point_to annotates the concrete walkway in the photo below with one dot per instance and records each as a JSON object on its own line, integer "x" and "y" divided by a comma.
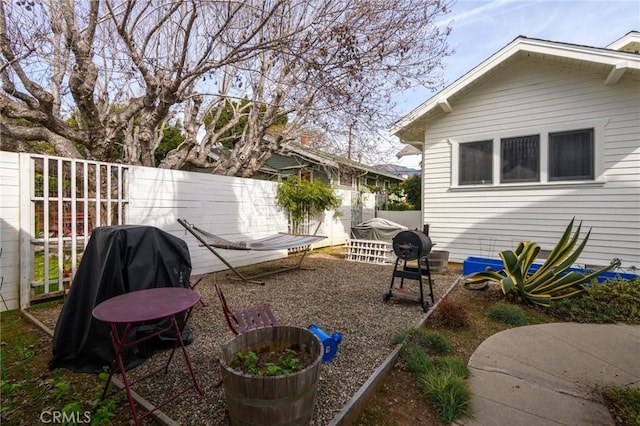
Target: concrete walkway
{"x": 549, "y": 374}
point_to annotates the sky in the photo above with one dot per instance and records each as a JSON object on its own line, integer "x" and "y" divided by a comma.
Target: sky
{"x": 481, "y": 28}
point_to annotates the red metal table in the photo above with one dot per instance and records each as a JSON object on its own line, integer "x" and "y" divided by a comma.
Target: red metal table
{"x": 153, "y": 304}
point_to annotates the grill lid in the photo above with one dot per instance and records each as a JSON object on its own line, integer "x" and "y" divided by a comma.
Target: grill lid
{"x": 410, "y": 245}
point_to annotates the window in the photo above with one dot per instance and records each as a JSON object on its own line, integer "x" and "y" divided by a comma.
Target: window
{"x": 346, "y": 177}
{"x": 568, "y": 153}
{"x": 571, "y": 155}
{"x": 476, "y": 163}
{"x": 520, "y": 159}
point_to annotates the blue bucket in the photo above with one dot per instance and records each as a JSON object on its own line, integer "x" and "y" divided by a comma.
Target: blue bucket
{"x": 329, "y": 343}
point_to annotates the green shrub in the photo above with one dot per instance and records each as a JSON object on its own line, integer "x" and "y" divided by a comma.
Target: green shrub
{"x": 608, "y": 302}
{"x": 417, "y": 360}
{"x": 508, "y": 314}
{"x": 455, "y": 365}
{"x": 431, "y": 342}
{"x": 449, "y": 393}
{"x": 625, "y": 403}
{"x": 452, "y": 314}
{"x": 582, "y": 309}
{"x": 399, "y": 337}
{"x": 302, "y": 200}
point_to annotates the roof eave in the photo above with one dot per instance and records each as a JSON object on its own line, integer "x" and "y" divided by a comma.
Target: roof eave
{"x": 520, "y": 44}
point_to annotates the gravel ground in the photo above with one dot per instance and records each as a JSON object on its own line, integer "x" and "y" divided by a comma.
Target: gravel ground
{"x": 336, "y": 294}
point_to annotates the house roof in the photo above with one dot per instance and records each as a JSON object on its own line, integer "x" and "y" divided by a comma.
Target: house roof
{"x": 615, "y": 60}
{"x": 331, "y": 160}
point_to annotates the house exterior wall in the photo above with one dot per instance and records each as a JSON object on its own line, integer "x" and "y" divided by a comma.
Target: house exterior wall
{"x": 523, "y": 98}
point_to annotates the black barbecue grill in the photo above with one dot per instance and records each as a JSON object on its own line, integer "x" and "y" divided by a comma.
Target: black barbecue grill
{"x": 410, "y": 246}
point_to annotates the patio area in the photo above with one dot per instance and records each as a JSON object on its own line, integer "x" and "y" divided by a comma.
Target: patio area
{"x": 335, "y": 294}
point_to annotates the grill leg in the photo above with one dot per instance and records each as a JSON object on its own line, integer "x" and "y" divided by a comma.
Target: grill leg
{"x": 428, "y": 270}
{"x": 404, "y": 268}
{"x": 388, "y": 295}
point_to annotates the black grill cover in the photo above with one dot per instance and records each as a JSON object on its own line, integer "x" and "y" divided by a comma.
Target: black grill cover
{"x": 117, "y": 260}
{"x": 377, "y": 229}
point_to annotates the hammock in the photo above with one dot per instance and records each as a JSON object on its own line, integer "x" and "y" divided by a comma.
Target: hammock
{"x": 279, "y": 241}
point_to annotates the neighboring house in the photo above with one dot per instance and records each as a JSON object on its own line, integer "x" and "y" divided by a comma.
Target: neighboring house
{"x": 306, "y": 162}
{"x": 535, "y": 135}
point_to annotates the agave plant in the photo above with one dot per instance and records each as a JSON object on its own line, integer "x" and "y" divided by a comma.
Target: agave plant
{"x": 550, "y": 281}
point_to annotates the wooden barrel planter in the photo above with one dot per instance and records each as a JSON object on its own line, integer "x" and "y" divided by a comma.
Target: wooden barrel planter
{"x": 271, "y": 400}
{"x": 438, "y": 261}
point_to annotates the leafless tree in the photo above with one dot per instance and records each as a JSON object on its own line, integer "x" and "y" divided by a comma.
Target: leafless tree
{"x": 101, "y": 78}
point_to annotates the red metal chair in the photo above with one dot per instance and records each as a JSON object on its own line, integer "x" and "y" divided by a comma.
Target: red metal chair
{"x": 194, "y": 280}
{"x": 241, "y": 320}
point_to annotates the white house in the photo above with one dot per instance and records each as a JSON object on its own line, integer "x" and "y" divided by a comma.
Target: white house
{"x": 535, "y": 135}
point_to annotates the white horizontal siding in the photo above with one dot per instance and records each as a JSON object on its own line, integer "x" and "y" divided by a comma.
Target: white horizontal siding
{"x": 9, "y": 229}
{"x": 521, "y": 97}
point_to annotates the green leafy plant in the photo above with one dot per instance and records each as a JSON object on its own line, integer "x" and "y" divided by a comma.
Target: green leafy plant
{"x": 303, "y": 200}
{"x": 449, "y": 393}
{"x": 508, "y": 314}
{"x": 104, "y": 412}
{"x": 431, "y": 342}
{"x": 290, "y": 362}
{"x": 105, "y": 409}
{"x": 550, "y": 281}
{"x": 625, "y": 403}
{"x": 443, "y": 378}
{"x": 287, "y": 363}
{"x": 71, "y": 409}
{"x": 611, "y": 301}
{"x": 60, "y": 386}
{"x": 453, "y": 364}
{"x": 417, "y": 360}
{"x": 399, "y": 337}
{"x": 249, "y": 361}
{"x": 24, "y": 352}
{"x": 7, "y": 390}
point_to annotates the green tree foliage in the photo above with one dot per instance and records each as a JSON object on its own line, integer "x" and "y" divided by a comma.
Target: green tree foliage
{"x": 413, "y": 192}
{"x": 405, "y": 195}
{"x": 303, "y": 200}
{"x": 397, "y": 199}
{"x": 172, "y": 137}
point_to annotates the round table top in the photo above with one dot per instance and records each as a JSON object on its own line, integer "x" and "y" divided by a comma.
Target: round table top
{"x": 146, "y": 305}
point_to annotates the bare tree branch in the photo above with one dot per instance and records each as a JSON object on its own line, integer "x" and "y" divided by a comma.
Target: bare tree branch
{"x": 107, "y": 76}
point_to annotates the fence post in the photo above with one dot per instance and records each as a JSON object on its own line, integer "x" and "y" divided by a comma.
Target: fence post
{"x": 25, "y": 236}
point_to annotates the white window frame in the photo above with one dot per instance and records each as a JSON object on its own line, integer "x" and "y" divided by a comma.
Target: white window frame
{"x": 598, "y": 127}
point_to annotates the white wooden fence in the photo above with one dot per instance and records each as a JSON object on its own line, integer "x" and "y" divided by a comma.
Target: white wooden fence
{"x": 50, "y": 206}
{"x": 412, "y": 219}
